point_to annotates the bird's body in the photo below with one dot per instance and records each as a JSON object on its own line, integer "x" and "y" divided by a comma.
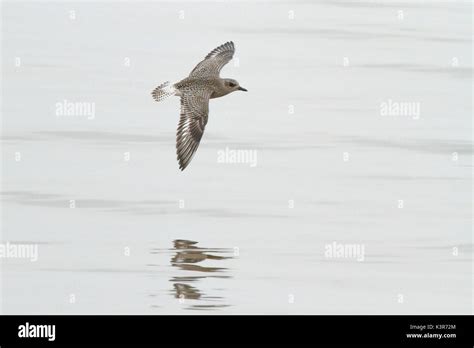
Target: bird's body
{"x": 216, "y": 84}
{"x": 202, "y": 84}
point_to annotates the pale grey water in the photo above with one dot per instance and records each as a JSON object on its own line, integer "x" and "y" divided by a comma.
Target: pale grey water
{"x": 236, "y": 246}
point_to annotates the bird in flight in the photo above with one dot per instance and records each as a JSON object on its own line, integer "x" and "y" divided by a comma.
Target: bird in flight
{"x": 202, "y": 84}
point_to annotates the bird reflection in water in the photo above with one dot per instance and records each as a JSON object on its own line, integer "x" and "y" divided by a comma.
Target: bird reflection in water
{"x": 186, "y": 258}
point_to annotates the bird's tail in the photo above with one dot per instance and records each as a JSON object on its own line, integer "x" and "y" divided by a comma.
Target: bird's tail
{"x": 163, "y": 91}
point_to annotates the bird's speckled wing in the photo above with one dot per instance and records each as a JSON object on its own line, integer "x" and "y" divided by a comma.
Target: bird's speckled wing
{"x": 193, "y": 119}
{"x": 214, "y": 61}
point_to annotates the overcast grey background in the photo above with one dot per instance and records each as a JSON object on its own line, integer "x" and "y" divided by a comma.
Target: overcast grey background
{"x": 265, "y": 256}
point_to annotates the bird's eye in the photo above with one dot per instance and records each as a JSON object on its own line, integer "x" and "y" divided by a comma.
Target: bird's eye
{"x": 231, "y": 84}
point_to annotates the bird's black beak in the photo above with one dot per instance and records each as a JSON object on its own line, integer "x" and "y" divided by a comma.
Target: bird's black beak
{"x": 242, "y": 89}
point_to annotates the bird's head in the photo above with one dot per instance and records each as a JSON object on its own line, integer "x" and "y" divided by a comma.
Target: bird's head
{"x": 232, "y": 85}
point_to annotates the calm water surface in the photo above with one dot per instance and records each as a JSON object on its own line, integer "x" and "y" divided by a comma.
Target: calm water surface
{"x": 120, "y": 229}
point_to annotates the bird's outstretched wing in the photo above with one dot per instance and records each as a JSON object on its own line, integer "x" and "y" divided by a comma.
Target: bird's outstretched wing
{"x": 214, "y": 61}
{"x": 193, "y": 119}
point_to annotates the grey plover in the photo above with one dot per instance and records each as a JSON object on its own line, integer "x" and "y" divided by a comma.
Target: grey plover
{"x": 202, "y": 84}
